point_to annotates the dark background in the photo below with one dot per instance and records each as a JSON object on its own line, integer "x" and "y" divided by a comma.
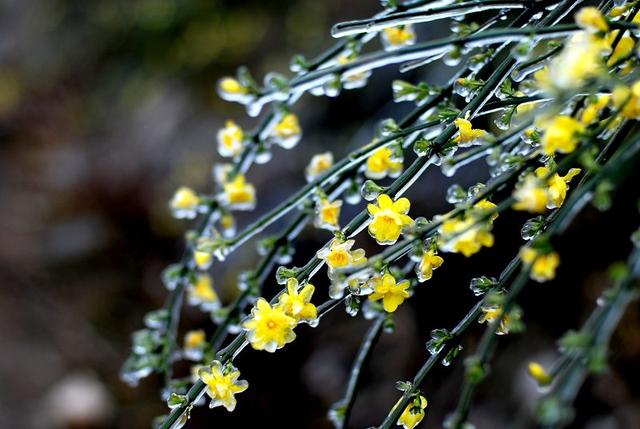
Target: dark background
{"x": 107, "y": 106}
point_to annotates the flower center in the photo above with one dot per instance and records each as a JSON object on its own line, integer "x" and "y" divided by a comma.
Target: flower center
{"x": 339, "y": 258}
{"x": 271, "y": 324}
{"x": 387, "y": 220}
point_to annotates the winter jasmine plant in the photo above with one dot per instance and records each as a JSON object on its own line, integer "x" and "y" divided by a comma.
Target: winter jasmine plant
{"x": 562, "y": 84}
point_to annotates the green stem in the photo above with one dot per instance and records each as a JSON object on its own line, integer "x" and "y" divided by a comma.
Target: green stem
{"x": 424, "y": 15}
{"x": 462, "y": 326}
{"x": 363, "y": 356}
{"x": 599, "y": 328}
{"x": 422, "y": 50}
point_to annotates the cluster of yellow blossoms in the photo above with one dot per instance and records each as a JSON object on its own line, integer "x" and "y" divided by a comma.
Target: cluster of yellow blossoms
{"x": 542, "y": 190}
{"x": 270, "y": 327}
{"x": 628, "y": 100}
{"x": 561, "y": 134}
{"x": 467, "y": 234}
{"x": 236, "y": 193}
{"x": 583, "y": 55}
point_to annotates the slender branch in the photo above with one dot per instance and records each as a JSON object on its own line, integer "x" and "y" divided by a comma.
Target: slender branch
{"x": 423, "y": 50}
{"x": 423, "y": 15}
{"x": 462, "y": 326}
{"x": 342, "y": 409}
{"x": 598, "y": 328}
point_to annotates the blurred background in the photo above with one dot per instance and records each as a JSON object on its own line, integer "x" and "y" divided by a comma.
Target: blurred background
{"x": 107, "y": 106}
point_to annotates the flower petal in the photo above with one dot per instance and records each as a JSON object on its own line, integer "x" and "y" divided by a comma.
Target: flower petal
{"x": 385, "y": 201}
{"x": 401, "y": 206}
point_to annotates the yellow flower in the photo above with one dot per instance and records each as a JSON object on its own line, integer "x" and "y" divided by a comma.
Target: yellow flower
{"x": 429, "y": 262}
{"x": 194, "y": 339}
{"x": 531, "y": 196}
{"x": 591, "y": 19}
{"x": 623, "y": 49}
{"x": 484, "y": 206}
{"x": 618, "y": 10}
{"x": 389, "y": 219}
{"x": 591, "y": 112}
{"x": 494, "y": 312}
{"x": 561, "y": 135}
{"x": 327, "y": 214}
{"x": 542, "y": 79}
{"x": 543, "y": 266}
{"x": 269, "y": 328}
{"x": 222, "y": 384}
{"x": 382, "y": 163}
{"x": 523, "y": 108}
{"x": 557, "y": 185}
{"x": 391, "y": 293}
{"x": 202, "y": 293}
{"x": 539, "y": 374}
{"x": 466, "y": 133}
{"x": 465, "y": 235}
{"x": 287, "y": 132}
{"x": 231, "y": 86}
{"x": 231, "y": 89}
{"x": 194, "y": 343}
{"x": 203, "y": 260}
{"x": 413, "y": 414}
{"x": 627, "y": 67}
{"x": 298, "y": 304}
{"x": 230, "y": 140}
{"x": 397, "y": 37}
{"x": 319, "y": 164}
{"x": 185, "y": 203}
{"x": 580, "y": 60}
{"x": 239, "y": 195}
{"x": 339, "y": 255}
{"x": 628, "y": 100}
{"x": 352, "y": 80}
{"x": 228, "y": 224}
